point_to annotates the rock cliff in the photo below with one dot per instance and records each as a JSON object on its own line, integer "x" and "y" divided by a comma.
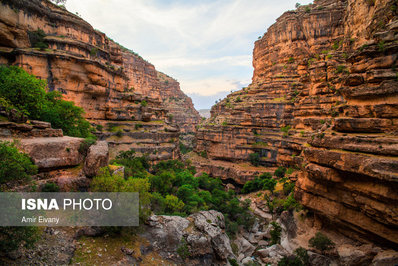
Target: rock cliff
{"x": 121, "y": 93}
{"x": 323, "y": 98}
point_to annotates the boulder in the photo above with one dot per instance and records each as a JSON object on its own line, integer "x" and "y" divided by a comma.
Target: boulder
{"x": 384, "y": 258}
{"x": 202, "y": 233}
{"x": 56, "y": 152}
{"x": 97, "y": 157}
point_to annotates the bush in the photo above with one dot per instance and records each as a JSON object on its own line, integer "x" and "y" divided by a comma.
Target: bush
{"x": 183, "y": 249}
{"x": 11, "y": 238}
{"x": 275, "y": 233}
{"x": 50, "y": 187}
{"x": 14, "y": 165}
{"x": 36, "y": 39}
{"x": 144, "y": 103}
{"x": 321, "y": 242}
{"x": 254, "y": 159}
{"x": 26, "y": 93}
{"x": 173, "y": 204}
{"x": 65, "y": 115}
{"x": 280, "y": 172}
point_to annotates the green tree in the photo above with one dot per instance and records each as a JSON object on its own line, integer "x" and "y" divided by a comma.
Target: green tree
{"x": 65, "y": 115}
{"x": 321, "y": 242}
{"x": 14, "y": 165}
{"x": 24, "y": 91}
{"x": 173, "y": 204}
{"x": 254, "y": 158}
{"x": 11, "y": 238}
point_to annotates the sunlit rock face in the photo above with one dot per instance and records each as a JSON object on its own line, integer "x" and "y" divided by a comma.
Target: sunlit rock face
{"x": 323, "y": 98}
{"x": 114, "y": 85}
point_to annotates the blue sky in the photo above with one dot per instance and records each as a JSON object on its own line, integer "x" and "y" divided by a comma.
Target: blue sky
{"x": 205, "y": 44}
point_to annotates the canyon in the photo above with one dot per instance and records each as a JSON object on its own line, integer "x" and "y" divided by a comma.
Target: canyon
{"x": 323, "y": 102}
{"x": 130, "y": 103}
{"x": 323, "y": 99}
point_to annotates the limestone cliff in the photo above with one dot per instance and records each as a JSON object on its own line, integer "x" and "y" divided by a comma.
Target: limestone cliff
{"x": 120, "y": 92}
{"x": 323, "y": 98}
{"x": 179, "y": 105}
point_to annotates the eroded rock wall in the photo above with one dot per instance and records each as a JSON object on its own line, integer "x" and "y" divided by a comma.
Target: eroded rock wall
{"x": 323, "y": 98}
{"x": 119, "y": 91}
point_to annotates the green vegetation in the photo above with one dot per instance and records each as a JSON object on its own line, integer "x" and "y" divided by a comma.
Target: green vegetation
{"x": 381, "y": 46}
{"x": 291, "y": 60}
{"x": 341, "y": 69}
{"x": 238, "y": 99}
{"x": 275, "y": 233}
{"x": 93, "y": 51}
{"x": 144, "y": 103}
{"x": 254, "y": 159}
{"x": 280, "y": 172}
{"x": 321, "y": 242}
{"x": 184, "y": 149}
{"x": 300, "y": 258}
{"x": 203, "y": 154}
{"x": 11, "y": 238}
{"x": 307, "y": 9}
{"x": 183, "y": 250}
{"x": 170, "y": 187}
{"x": 28, "y": 95}
{"x": 262, "y": 182}
{"x": 50, "y": 187}
{"x": 285, "y": 130}
{"x": 99, "y": 127}
{"x": 36, "y": 39}
{"x": 14, "y": 165}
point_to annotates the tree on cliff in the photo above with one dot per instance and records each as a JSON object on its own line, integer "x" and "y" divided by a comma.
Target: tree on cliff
{"x": 27, "y": 94}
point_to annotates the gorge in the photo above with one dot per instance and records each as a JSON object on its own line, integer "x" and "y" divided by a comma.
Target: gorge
{"x": 322, "y": 108}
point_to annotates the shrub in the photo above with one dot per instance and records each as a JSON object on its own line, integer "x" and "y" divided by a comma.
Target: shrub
{"x": 99, "y": 127}
{"x": 144, "y": 103}
{"x": 275, "y": 233}
{"x": 50, "y": 187}
{"x": 14, "y": 165}
{"x": 203, "y": 154}
{"x": 321, "y": 242}
{"x": 280, "y": 172}
{"x": 65, "y": 115}
{"x": 238, "y": 99}
{"x": 183, "y": 249}
{"x": 36, "y": 39}
{"x": 11, "y": 238}
{"x": 341, "y": 69}
{"x": 119, "y": 133}
{"x": 138, "y": 126}
{"x": 93, "y": 51}
{"x": 254, "y": 159}
{"x": 26, "y": 93}
{"x": 173, "y": 204}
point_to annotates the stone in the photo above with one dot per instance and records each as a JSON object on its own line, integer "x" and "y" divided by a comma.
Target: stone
{"x": 97, "y": 157}
{"x": 384, "y": 258}
{"x": 40, "y": 124}
{"x": 50, "y": 153}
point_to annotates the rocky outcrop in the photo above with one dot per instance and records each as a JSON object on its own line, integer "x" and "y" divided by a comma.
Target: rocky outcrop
{"x": 200, "y": 237}
{"x": 323, "y": 98}
{"x": 97, "y": 157}
{"x": 112, "y": 84}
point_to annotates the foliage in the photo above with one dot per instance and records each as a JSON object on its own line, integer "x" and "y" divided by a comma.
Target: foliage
{"x": 50, "y": 187}
{"x": 184, "y": 149}
{"x": 14, "y": 165}
{"x": 22, "y": 90}
{"x": 11, "y": 238}
{"x": 321, "y": 242}
{"x": 144, "y": 103}
{"x": 254, "y": 159}
{"x": 280, "y": 172}
{"x": 28, "y": 95}
{"x": 107, "y": 182}
{"x": 264, "y": 181}
{"x": 183, "y": 250}
{"x": 275, "y": 233}
{"x": 36, "y": 39}
{"x": 173, "y": 204}
{"x": 65, "y": 115}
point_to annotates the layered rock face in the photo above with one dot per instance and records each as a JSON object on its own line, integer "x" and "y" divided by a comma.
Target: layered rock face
{"x": 114, "y": 85}
{"x": 323, "y": 98}
{"x": 179, "y": 105}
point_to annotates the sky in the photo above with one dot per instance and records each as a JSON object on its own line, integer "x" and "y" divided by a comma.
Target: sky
{"x": 206, "y": 45}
